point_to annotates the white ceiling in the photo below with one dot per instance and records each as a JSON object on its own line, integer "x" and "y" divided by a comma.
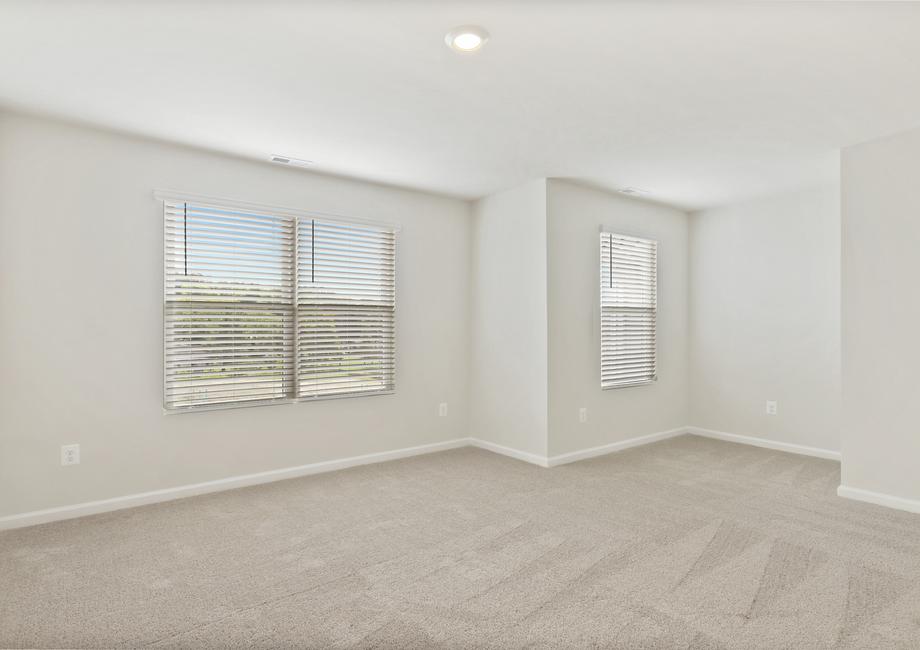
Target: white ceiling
{"x": 699, "y": 103}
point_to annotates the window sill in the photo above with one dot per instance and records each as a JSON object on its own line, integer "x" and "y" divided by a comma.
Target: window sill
{"x": 274, "y": 402}
{"x": 632, "y": 384}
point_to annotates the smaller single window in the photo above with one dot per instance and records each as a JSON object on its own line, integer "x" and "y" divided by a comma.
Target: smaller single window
{"x": 629, "y": 310}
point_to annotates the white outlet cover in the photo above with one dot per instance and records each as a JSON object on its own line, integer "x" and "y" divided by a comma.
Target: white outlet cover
{"x": 70, "y": 454}
{"x": 582, "y": 414}
{"x": 771, "y": 407}
{"x": 442, "y": 409}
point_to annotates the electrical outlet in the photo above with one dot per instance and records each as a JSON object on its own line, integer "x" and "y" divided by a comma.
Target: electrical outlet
{"x": 70, "y": 454}
{"x": 582, "y": 414}
{"x": 442, "y": 409}
{"x": 771, "y": 407}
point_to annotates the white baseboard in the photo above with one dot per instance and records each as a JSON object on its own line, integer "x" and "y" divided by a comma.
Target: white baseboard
{"x": 879, "y": 499}
{"x": 768, "y": 444}
{"x": 591, "y": 452}
{"x": 581, "y": 454}
{"x": 168, "y": 494}
{"x": 526, "y": 456}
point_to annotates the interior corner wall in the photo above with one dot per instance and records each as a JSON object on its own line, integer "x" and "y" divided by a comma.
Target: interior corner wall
{"x": 81, "y": 321}
{"x": 508, "y": 332}
{"x": 575, "y": 214}
{"x": 881, "y": 316}
{"x": 765, "y": 318}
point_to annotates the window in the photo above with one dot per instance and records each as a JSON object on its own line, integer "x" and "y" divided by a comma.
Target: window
{"x": 629, "y": 310}
{"x": 346, "y": 298}
{"x": 262, "y": 307}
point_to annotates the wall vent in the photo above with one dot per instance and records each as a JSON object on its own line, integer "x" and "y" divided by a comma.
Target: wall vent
{"x": 287, "y": 160}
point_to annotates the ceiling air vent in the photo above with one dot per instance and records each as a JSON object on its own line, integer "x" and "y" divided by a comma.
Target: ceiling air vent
{"x": 287, "y": 160}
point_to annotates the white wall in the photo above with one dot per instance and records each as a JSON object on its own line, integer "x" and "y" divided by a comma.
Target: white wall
{"x": 881, "y": 316}
{"x": 575, "y": 214}
{"x": 765, "y": 318}
{"x": 497, "y": 315}
{"x": 81, "y": 329}
{"x": 509, "y": 341}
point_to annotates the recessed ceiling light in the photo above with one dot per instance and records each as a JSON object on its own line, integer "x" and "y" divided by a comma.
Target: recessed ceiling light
{"x": 466, "y": 38}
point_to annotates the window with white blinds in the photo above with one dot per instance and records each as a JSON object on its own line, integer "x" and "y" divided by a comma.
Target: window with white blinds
{"x": 262, "y": 307}
{"x": 629, "y": 310}
{"x": 346, "y": 299}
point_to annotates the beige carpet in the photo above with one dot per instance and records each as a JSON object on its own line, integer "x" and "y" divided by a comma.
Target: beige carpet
{"x": 689, "y": 543}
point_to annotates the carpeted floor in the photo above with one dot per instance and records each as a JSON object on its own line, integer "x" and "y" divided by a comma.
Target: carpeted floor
{"x": 688, "y": 543}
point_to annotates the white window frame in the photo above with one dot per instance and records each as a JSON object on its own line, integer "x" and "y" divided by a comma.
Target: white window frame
{"x": 298, "y": 217}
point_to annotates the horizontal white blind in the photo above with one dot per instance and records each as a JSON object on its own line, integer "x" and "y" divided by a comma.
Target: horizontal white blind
{"x": 260, "y": 307}
{"x": 229, "y": 316}
{"x": 346, "y": 302}
{"x": 629, "y": 310}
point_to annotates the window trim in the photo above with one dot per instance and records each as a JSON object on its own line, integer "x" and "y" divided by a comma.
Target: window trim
{"x": 280, "y": 210}
{"x": 604, "y": 230}
{"x": 162, "y": 197}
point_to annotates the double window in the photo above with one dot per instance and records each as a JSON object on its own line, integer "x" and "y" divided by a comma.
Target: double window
{"x": 629, "y": 310}
{"x": 262, "y": 306}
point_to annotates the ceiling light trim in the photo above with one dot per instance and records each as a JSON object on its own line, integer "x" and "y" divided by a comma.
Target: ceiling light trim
{"x": 466, "y": 39}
